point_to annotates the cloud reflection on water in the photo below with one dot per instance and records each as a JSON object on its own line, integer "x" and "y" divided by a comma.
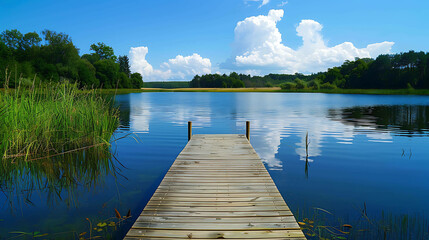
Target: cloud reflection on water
{"x": 274, "y": 123}
{"x": 271, "y": 124}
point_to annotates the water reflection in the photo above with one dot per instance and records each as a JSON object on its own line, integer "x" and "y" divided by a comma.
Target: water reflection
{"x": 276, "y": 118}
{"x": 60, "y": 178}
{"x": 343, "y": 165}
{"x": 124, "y": 103}
{"x": 349, "y": 136}
{"x": 140, "y": 113}
{"x": 405, "y": 120}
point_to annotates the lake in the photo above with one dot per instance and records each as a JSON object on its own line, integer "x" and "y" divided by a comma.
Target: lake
{"x": 366, "y": 153}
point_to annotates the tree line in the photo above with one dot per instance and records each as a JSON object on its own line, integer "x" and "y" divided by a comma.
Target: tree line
{"x": 27, "y": 58}
{"x": 217, "y": 81}
{"x": 388, "y": 71}
{"x": 167, "y": 84}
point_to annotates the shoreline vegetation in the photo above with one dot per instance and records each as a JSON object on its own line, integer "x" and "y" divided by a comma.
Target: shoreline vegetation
{"x": 55, "y": 141}
{"x": 394, "y": 74}
{"x": 26, "y": 59}
{"x": 29, "y": 59}
{"x": 53, "y": 119}
{"x": 272, "y": 89}
{"x": 409, "y": 70}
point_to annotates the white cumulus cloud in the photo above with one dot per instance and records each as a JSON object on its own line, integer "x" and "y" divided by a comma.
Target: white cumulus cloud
{"x": 183, "y": 67}
{"x": 178, "y": 68}
{"x": 258, "y": 45}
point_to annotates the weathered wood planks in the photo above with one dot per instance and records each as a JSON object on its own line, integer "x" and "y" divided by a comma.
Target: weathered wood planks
{"x": 218, "y": 187}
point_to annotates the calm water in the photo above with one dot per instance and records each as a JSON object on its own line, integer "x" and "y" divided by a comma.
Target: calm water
{"x": 363, "y": 149}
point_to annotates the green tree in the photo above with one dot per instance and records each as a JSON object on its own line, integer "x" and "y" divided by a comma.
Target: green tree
{"x": 380, "y": 74}
{"x": 234, "y": 75}
{"x": 56, "y": 39}
{"x": 217, "y": 81}
{"x": 237, "y": 83}
{"x": 314, "y": 84}
{"x": 288, "y": 86}
{"x": 124, "y": 81}
{"x": 137, "y": 80}
{"x": 328, "y": 85}
{"x": 59, "y": 48}
{"x": 124, "y": 65}
{"x": 12, "y": 38}
{"x": 107, "y": 73}
{"x": 92, "y": 58}
{"x": 30, "y": 40}
{"x": 300, "y": 84}
{"x": 86, "y": 72}
{"x": 335, "y": 77}
{"x": 195, "y": 82}
{"x": 103, "y": 51}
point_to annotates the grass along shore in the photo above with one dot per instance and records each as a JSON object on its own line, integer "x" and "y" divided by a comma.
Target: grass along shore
{"x": 53, "y": 119}
{"x": 273, "y": 89}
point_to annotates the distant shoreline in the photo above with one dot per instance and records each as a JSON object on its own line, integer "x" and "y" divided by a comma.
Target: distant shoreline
{"x": 275, "y": 89}
{"x": 270, "y": 89}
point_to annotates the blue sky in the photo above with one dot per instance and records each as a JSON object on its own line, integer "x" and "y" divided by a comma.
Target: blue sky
{"x": 174, "y": 39}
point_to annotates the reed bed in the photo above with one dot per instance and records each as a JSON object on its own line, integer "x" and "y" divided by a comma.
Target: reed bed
{"x": 51, "y": 120}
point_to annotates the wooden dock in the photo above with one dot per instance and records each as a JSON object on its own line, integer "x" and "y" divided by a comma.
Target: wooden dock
{"x": 218, "y": 187}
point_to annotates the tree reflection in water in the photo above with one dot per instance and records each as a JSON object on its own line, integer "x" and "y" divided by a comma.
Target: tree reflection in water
{"x": 405, "y": 120}
{"x": 58, "y": 177}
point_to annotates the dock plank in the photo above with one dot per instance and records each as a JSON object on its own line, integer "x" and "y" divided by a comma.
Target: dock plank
{"x": 218, "y": 187}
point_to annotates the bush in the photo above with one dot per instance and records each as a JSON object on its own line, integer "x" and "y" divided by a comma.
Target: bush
{"x": 124, "y": 81}
{"x": 86, "y": 73}
{"x": 314, "y": 84}
{"x": 300, "y": 84}
{"x": 137, "y": 80}
{"x": 288, "y": 86}
{"x": 328, "y": 86}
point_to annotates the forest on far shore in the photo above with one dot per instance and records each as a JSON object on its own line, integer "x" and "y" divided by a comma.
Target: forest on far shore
{"x": 52, "y": 57}
{"x": 389, "y": 71}
{"x": 29, "y": 58}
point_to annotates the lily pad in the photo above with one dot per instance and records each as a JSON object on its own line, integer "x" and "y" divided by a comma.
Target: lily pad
{"x": 102, "y": 224}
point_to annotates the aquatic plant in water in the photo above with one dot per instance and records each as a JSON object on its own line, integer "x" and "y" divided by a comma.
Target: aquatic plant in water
{"x": 55, "y": 140}
{"x": 322, "y": 224}
{"x": 53, "y": 119}
{"x": 97, "y": 229}
{"x": 104, "y": 229}
{"x": 53, "y": 137}
{"x": 307, "y": 164}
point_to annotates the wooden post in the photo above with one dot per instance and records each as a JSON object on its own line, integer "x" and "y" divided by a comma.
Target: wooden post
{"x": 248, "y": 130}
{"x": 189, "y": 130}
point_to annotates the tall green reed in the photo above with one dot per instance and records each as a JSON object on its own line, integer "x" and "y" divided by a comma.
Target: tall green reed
{"x": 53, "y": 119}
{"x": 53, "y": 138}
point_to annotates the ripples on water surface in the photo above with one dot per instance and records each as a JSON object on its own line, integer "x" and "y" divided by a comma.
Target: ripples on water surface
{"x": 363, "y": 149}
